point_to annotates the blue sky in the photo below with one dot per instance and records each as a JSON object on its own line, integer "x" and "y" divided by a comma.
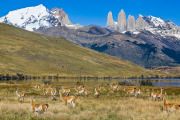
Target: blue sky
{"x": 88, "y": 12}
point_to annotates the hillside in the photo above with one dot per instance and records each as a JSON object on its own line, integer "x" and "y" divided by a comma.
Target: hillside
{"x": 30, "y": 53}
{"x": 142, "y": 48}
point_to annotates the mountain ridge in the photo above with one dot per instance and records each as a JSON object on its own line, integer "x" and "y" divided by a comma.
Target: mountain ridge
{"x": 38, "y": 17}
{"x": 142, "y": 48}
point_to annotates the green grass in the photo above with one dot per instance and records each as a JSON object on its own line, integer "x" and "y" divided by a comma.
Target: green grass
{"x": 30, "y": 53}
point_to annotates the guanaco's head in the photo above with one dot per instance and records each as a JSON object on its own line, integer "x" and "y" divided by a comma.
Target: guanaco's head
{"x": 124, "y": 89}
{"x": 162, "y": 88}
{"x": 16, "y": 89}
{"x": 165, "y": 93}
{"x": 59, "y": 91}
{"x": 31, "y": 99}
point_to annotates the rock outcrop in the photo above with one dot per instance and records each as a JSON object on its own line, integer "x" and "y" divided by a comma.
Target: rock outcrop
{"x": 110, "y": 23}
{"x": 131, "y": 23}
{"x": 61, "y": 16}
{"x": 141, "y": 23}
{"x": 122, "y": 21}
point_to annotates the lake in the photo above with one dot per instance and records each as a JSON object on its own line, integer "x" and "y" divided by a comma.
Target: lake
{"x": 156, "y": 82}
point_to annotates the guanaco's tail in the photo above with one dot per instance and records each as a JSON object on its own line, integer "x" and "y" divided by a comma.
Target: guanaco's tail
{"x": 47, "y": 105}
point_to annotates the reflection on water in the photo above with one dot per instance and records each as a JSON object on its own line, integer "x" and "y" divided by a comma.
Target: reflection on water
{"x": 156, "y": 82}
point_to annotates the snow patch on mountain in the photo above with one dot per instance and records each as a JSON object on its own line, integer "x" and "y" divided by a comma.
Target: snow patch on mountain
{"x": 30, "y": 18}
{"x": 156, "y": 21}
{"x": 33, "y": 18}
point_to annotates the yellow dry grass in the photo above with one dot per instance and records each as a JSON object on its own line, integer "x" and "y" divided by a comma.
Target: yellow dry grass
{"x": 109, "y": 106}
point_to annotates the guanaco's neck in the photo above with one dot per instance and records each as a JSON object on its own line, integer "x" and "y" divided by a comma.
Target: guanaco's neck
{"x": 32, "y": 102}
{"x": 161, "y": 91}
{"x": 95, "y": 89}
{"x": 61, "y": 95}
{"x": 164, "y": 101}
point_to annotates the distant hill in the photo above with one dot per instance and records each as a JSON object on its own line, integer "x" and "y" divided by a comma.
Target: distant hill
{"x": 30, "y": 53}
{"x": 175, "y": 70}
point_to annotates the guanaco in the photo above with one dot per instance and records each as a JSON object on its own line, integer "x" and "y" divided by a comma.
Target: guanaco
{"x": 53, "y": 93}
{"x": 162, "y": 97}
{"x": 97, "y": 92}
{"x": 79, "y": 91}
{"x": 137, "y": 91}
{"x": 78, "y": 86}
{"x": 129, "y": 91}
{"x": 36, "y": 86}
{"x": 38, "y": 108}
{"x": 155, "y": 95}
{"x": 114, "y": 87}
{"x": 45, "y": 92}
{"x": 20, "y": 95}
{"x": 86, "y": 92}
{"x": 67, "y": 91}
{"x": 170, "y": 106}
{"x": 68, "y": 99}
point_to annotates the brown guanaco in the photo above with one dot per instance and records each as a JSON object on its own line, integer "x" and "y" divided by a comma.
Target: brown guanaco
{"x": 86, "y": 92}
{"x": 171, "y": 106}
{"x": 129, "y": 91}
{"x": 155, "y": 95}
{"x": 68, "y": 99}
{"x": 79, "y": 91}
{"x": 45, "y": 92}
{"x": 53, "y": 93}
{"x": 20, "y": 94}
{"x": 67, "y": 91}
{"x": 78, "y": 86}
{"x": 97, "y": 92}
{"x": 162, "y": 97}
{"x": 114, "y": 87}
{"x": 137, "y": 91}
{"x": 38, "y": 108}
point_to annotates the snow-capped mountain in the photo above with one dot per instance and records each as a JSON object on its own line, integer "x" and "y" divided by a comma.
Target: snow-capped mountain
{"x": 161, "y": 27}
{"x": 37, "y": 17}
{"x": 156, "y": 21}
{"x": 155, "y": 25}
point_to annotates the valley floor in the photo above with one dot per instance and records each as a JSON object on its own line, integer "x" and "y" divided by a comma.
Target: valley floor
{"x": 109, "y": 106}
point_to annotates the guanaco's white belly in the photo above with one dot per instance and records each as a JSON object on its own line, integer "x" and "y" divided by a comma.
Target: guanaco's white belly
{"x": 39, "y": 109}
{"x": 69, "y": 101}
{"x": 81, "y": 91}
{"x": 153, "y": 95}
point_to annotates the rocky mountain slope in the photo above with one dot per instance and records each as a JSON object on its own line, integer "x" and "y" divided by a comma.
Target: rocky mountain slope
{"x": 142, "y": 48}
{"x": 38, "y": 17}
{"x": 36, "y": 54}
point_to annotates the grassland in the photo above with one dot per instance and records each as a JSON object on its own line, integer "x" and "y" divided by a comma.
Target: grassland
{"x": 109, "y": 106}
{"x": 30, "y": 53}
